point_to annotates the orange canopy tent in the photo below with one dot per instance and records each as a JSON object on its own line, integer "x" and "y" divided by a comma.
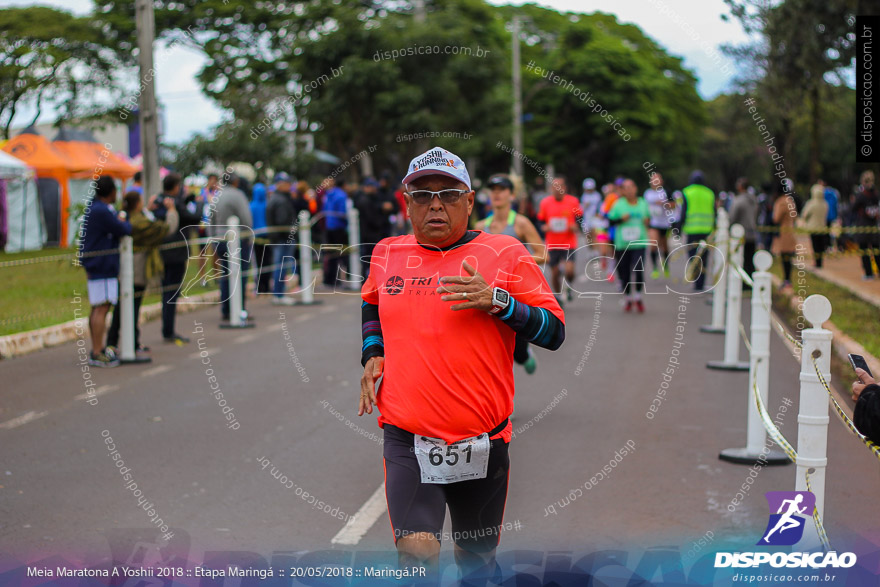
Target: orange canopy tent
{"x": 47, "y": 162}
{"x": 81, "y": 146}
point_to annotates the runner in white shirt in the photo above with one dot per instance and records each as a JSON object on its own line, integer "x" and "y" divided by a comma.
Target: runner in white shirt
{"x": 591, "y": 200}
{"x": 663, "y": 211}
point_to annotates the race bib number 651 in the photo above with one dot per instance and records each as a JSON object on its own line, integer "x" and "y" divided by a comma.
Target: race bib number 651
{"x": 443, "y": 463}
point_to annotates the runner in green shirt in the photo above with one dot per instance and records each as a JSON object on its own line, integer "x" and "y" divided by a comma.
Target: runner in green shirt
{"x": 630, "y": 215}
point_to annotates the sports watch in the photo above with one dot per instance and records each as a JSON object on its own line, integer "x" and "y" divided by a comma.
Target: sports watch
{"x": 500, "y": 300}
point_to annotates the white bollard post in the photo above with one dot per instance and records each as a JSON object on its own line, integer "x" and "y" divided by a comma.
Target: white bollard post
{"x": 307, "y": 291}
{"x": 125, "y": 307}
{"x": 757, "y": 449}
{"x": 731, "y": 360}
{"x": 813, "y": 411}
{"x": 234, "y": 250}
{"x": 233, "y": 262}
{"x": 719, "y": 292}
{"x": 354, "y": 244}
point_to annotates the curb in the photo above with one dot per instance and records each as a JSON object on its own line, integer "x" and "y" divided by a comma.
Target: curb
{"x": 23, "y": 343}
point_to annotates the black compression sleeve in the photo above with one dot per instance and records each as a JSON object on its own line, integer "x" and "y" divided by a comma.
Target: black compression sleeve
{"x": 371, "y": 333}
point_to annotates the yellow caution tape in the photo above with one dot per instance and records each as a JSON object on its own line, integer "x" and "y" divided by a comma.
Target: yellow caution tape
{"x": 789, "y": 451}
{"x": 837, "y": 230}
{"x": 742, "y": 332}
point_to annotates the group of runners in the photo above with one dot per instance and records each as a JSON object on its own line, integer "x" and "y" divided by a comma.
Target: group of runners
{"x": 446, "y": 311}
{"x": 617, "y": 229}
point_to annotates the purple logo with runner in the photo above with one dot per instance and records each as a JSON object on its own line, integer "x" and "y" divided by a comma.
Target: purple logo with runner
{"x": 789, "y": 511}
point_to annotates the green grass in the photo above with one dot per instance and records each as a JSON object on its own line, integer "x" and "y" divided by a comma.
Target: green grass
{"x": 42, "y": 294}
{"x": 851, "y": 314}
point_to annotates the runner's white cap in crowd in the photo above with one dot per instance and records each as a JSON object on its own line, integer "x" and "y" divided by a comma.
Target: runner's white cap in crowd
{"x": 438, "y": 161}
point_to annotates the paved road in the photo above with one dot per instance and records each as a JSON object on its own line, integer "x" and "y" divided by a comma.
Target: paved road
{"x": 62, "y": 494}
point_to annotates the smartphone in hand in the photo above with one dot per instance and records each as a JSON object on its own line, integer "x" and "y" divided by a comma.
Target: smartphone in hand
{"x": 858, "y": 362}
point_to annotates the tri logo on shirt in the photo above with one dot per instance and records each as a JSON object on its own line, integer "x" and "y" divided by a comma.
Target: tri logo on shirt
{"x": 418, "y": 286}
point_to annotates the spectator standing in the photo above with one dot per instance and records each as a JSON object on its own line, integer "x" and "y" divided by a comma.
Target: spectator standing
{"x": 281, "y": 216}
{"x": 137, "y": 183}
{"x": 307, "y": 194}
{"x": 146, "y": 235}
{"x": 744, "y": 211}
{"x": 176, "y": 255}
{"x": 102, "y": 229}
{"x": 765, "y": 217}
{"x": 375, "y": 207}
{"x": 866, "y": 414}
{"x": 205, "y": 200}
{"x": 258, "y": 213}
{"x": 335, "y": 207}
{"x": 831, "y": 198}
{"x": 814, "y": 219}
{"x": 300, "y": 196}
{"x": 784, "y": 242}
{"x": 231, "y": 201}
{"x": 866, "y": 215}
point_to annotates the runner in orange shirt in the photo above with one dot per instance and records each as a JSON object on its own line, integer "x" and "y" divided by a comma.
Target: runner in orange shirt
{"x": 441, "y": 309}
{"x": 611, "y": 197}
{"x": 561, "y": 214}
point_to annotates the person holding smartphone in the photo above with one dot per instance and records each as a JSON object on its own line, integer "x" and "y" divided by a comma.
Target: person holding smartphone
{"x": 866, "y": 394}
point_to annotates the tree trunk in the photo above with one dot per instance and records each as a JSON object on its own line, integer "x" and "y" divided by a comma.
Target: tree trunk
{"x": 787, "y": 144}
{"x": 367, "y": 164}
{"x": 815, "y": 125}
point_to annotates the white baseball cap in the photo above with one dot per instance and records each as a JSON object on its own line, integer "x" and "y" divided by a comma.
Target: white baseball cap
{"x": 589, "y": 183}
{"x": 438, "y": 161}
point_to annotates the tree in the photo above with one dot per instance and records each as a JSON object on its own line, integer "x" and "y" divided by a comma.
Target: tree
{"x": 614, "y": 78}
{"x": 810, "y": 42}
{"x": 272, "y": 65}
{"x": 800, "y": 49}
{"x": 358, "y": 74}
{"x": 50, "y": 56}
{"x": 731, "y": 146}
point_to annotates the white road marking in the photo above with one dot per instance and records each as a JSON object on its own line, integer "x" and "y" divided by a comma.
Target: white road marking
{"x": 22, "y": 420}
{"x": 157, "y": 370}
{"x": 245, "y": 338}
{"x": 100, "y": 390}
{"x": 358, "y": 525}
{"x": 198, "y": 354}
